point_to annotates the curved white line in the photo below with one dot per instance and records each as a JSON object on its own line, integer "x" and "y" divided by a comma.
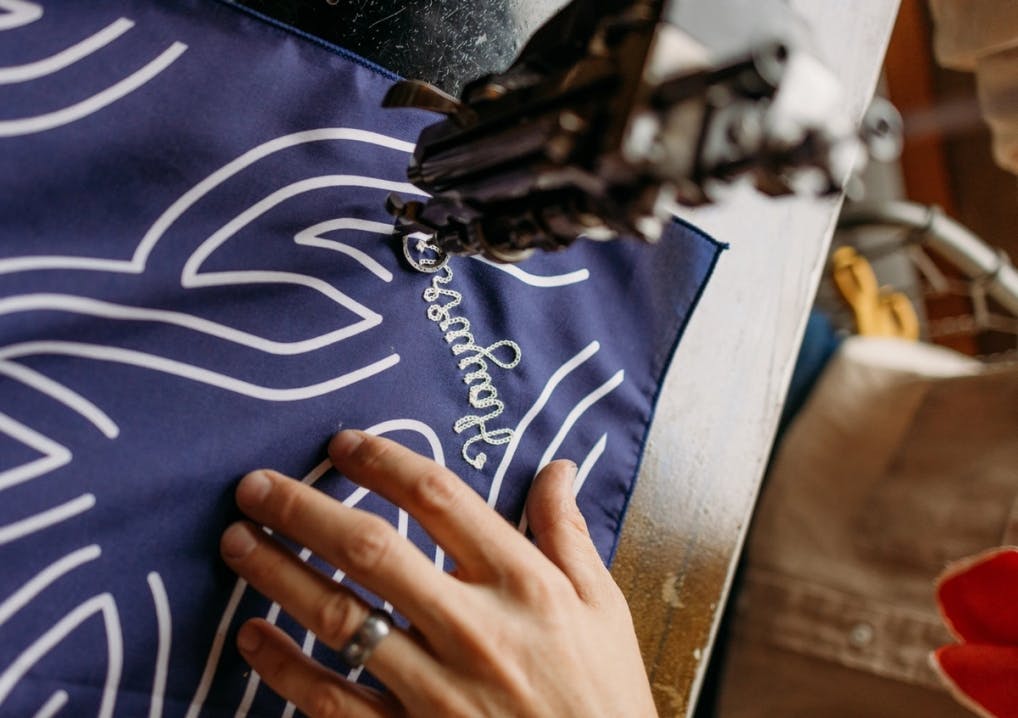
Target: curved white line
{"x": 588, "y": 464}
{"x": 72, "y": 113}
{"x": 202, "y": 691}
{"x": 577, "y": 411}
{"x": 54, "y": 455}
{"x": 102, "y": 603}
{"x": 45, "y": 519}
{"x": 310, "y": 237}
{"x": 193, "y": 277}
{"x": 66, "y": 396}
{"x": 18, "y": 13}
{"x": 110, "y": 310}
{"x": 54, "y": 705}
{"x": 536, "y": 280}
{"x": 136, "y": 264}
{"x": 553, "y": 381}
{"x": 419, "y": 427}
{"x": 164, "y": 621}
{"x": 317, "y": 473}
{"x": 369, "y": 318}
{"x": 188, "y": 371}
{"x": 38, "y": 583}
{"x": 65, "y": 58}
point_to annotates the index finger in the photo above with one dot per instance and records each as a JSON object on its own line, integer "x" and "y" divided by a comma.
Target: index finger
{"x": 457, "y": 518}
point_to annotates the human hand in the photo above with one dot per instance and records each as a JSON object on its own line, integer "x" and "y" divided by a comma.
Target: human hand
{"x": 517, "y": 629}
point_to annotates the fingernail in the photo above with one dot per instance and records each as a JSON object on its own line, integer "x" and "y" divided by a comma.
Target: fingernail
{"x": 345, "y": 442}
{"x": 237, "y": 542}
{"x": 253, "y": 488}
{"x": 571, "y": 470}
{"x": 249, "y": 639}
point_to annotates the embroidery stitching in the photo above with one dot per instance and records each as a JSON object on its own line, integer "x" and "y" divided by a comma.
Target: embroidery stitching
{"x": 482, "y": 393}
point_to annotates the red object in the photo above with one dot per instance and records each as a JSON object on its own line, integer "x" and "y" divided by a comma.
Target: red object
{"x": 978, "y": 598}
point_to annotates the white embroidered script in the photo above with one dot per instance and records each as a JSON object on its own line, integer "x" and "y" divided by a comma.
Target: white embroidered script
{"x": 482, "y": 394}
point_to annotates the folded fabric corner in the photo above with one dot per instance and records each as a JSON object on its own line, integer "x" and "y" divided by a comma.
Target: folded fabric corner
{"x": 977, "y": 597}
{"x": 983, "y": 678}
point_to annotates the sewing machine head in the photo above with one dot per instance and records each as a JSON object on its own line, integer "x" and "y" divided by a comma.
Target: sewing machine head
{"x": 609, "y": 117}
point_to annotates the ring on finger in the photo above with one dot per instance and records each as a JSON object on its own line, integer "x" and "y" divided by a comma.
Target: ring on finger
{"x": 372, "y": 631}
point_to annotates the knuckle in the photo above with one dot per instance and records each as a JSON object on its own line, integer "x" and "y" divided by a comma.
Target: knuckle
{"x": 572, "y": 521}
{"x": 435, "y": 492}
{"x": 263, "y": 565}
{"x": 369, "y": 545}
{"x": 336, "y": 618}
{"x": 536, "y": 587}
{"x": 326, "y": 701}
{"x": 286, "y": 505}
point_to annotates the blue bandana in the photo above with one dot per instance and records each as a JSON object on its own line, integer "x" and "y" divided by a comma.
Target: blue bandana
{"x": 197, "y": 279}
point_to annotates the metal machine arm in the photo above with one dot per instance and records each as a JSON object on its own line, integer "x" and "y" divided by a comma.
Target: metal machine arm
{"x": 608, "y": 118}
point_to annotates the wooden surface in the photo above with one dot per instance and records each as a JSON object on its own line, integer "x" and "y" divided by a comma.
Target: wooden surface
{"x": 724, "y": 392}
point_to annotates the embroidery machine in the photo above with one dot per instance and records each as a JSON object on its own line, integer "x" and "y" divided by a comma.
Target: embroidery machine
{"x": 609, "y": 116}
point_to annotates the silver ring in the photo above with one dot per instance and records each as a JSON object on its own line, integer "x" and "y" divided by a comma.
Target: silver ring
{"x": 365, "y": 640}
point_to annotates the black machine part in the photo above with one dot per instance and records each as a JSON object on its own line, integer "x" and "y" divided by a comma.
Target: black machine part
{"x": 608, "y": 117}
{"x": 611, "y": 116}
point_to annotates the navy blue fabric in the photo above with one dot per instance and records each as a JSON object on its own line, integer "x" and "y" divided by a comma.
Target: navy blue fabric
{"x": 174, "y": 313}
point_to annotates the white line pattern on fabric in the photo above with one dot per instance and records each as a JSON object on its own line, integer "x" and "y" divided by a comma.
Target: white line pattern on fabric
{"x": 536, "y": 280}
{"x": 65, "y": 58}
{"x": 57, "y": 391}
{"x": 103, "y": 604}
{"x": 45, "y": 519}
{"x": 18, "y": 13}
{"x": 136, "y": 264}
{"x": 121, "y": 312}
{"x": 218, "y": 641}
{"x": 80, "y": 110}
{"x": 54, "y": 454}
{"x": 311, "y": 237}
{"x": 54, "y": 705}
{"x": 42, "y": 580}
{"x": 587, "y": 465}
{"x": 164, "y": 621}
{"x": 553, "y": 381}
{"x": 576, "y": 412}
{"x": 101, "y": 352}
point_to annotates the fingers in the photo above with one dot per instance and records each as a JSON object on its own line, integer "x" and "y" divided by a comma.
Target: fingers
{"x": 459, "y": 520}
{"x": 315, "y": 690}
{"x": 560, "y": 530}
{"x": 364, "y": 546}
{"x": 330, "y": 611}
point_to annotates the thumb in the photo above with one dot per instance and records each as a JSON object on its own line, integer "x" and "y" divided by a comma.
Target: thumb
{"x": 560, "y": 530}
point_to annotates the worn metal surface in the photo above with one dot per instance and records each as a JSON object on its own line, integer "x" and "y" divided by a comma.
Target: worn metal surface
{"x": 722, "y": 398}
{"x": 446, "y": 42}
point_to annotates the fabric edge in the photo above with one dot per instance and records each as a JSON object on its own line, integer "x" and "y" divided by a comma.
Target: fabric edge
{"x": 719, "y": 249}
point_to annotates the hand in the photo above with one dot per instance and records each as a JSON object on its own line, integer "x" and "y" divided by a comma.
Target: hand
{"x": 517, "y": 630}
